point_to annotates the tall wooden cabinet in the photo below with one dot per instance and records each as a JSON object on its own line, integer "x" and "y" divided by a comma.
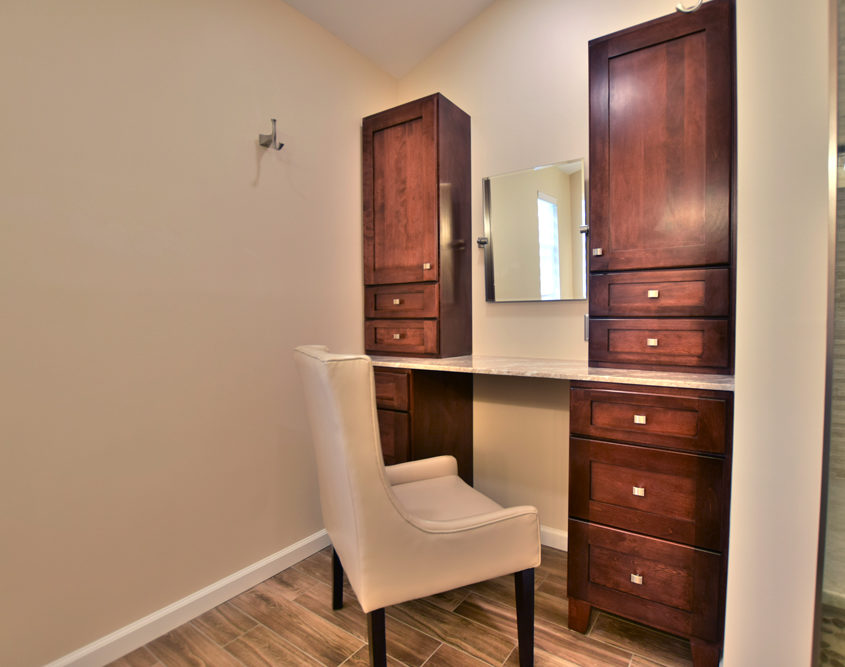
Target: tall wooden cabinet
{"x": 650, "y": 468}
{"x": 417, "y": 226}
{"x": 417, "y": 274}
{"x": 662, "y": 193}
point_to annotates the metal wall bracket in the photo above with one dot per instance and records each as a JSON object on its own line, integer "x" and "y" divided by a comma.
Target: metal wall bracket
{"x": 269, "y": 140}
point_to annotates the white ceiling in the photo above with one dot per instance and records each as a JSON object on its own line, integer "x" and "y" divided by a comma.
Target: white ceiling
{"x": 395, "y": 34}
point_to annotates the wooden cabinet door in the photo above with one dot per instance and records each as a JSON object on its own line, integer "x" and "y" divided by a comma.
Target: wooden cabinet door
{"x": 400, "y": 194}
{"x": 661, "y": 142}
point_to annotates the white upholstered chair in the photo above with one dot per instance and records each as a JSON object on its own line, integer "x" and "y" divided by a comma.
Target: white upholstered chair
{"x": 410, "y": 530}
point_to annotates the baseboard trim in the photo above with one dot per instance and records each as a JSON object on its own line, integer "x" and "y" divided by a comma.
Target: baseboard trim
{"x": 554, "y": 537}
{"x": 128, "y": 638}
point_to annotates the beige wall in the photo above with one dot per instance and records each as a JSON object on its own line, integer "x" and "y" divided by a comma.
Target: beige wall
{"x": 524, "y": 115}
{"x": 156, "y": 270}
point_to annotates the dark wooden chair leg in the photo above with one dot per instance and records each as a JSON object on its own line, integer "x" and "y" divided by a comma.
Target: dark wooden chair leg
{"x": 376, "y": 638}
{"x": 524, "y": 582}
{"x": 337, "y": 582}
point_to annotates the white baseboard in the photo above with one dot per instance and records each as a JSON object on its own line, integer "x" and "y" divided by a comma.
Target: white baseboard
{"x": 128, "y": 638}
{"x": 554, "y": 537}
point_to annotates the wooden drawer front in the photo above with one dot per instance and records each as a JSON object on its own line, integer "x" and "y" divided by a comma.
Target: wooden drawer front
{"x": 670, "y": 495}
{"x": 392, "y": 388}
{"x": 696, "y": 293}
{"x": 670, "y": 586}
{"x": 401, "y": 301}
{"x": 394, "y": 429}
{"x": 405, "y": 336}
{"x": 696, "y": 343}
{"x": 668, "y": 418}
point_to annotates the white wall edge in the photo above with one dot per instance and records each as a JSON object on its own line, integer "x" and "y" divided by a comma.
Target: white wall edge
{"x": 136, "y": 634}
{"x": 554, "y": 537}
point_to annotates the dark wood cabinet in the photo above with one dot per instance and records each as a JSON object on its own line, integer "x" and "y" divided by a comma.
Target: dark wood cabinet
{"x": 662, "y": 155}
{"x": 649, "y": 499}
{"x": 417, "y": 225}
{"x": 423, "y": 414}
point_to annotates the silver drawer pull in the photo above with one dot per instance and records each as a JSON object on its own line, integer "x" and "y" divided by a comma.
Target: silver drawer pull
{"x": 427, "y": 266}
{"x": 598, "y": 252}
{"x": 653, "y": 294}
{"x": 637, "y": 579}
{"x": 397, "y": 336}
{"x": 651, "y": 342}
{"x": 639, "y": 419}
{"x": 397, "y": 302}
{"x": 639, "y": 491}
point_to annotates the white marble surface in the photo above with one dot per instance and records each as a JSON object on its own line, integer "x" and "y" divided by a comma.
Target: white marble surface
{"x": 558, "y": 369}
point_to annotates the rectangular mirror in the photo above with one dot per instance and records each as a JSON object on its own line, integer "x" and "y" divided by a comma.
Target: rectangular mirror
{"x": 535, "y": 246}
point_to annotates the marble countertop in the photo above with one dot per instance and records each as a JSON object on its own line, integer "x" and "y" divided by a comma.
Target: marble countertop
{"x": 557, "y": 369}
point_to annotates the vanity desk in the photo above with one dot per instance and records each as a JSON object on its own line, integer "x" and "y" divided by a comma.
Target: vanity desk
{"x": 649, "y": 478}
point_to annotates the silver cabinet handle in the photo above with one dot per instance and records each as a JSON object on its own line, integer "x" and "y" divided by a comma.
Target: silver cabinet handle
{"x": 651, "y": 342}
{"x": 397, "y": 336}
{"x": 598, "y": 252}
{"x": 637, "y": 579}
{"x": 397, "y": 302}
{"x": 427, "y": 266}
{"x": 653, "y": 294}
{"x": 639, "y": 419}
{"x": 639, "y": 491}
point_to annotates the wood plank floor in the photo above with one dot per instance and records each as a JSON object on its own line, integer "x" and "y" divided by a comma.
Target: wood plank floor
{"x": 288, "y": 620}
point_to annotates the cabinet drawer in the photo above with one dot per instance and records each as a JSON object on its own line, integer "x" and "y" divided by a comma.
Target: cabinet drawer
{"x": 672, "y": 342}
{"x": 392, "y": 388}
{"x": 671, "y": 495}
{"x": 675, "y": 418}
{"x": 667, "y": 585}
{"x": 403, "y": 336}
{"x": 694, "y": 293}
{"x": 401, "y": 301}
{"x": 394, "y": 429}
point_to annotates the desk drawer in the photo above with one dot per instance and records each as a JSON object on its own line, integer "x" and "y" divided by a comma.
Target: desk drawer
{"x": 685, "y": 293}
{"x": 670, "y": 495}
{"x": 676, "y": 418}
{"x": 395, "y": 431}
{"x": 401, "y": 336}
{"x": 389, "y": 301}
{"x": 392, "y": 388}
{"x": 670, "y": 586}
{"x": 660, "y": 342}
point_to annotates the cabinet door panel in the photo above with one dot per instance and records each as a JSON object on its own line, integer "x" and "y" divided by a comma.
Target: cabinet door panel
{"x": 392, "y": 388}
{"x": 667, "y": 585}
{"x": 401, "y": 336}
{"x": 394, "y": 429}
{"x": 670, "y": 495}
{"x": 414, "y": 300}
{"x": 690, "y": 293}
{"x": 674, "y": 343}
{"x": 661, "y": 137}
{"x": 669, "y": 418}
{"x": 400, "y": 197}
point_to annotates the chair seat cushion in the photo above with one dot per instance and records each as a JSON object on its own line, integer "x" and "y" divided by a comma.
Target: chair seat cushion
{"x": 443, "y": 499}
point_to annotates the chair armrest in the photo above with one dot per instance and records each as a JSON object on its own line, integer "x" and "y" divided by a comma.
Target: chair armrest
{"x": 469, "y": 523}
{"x": 415, "y": 471}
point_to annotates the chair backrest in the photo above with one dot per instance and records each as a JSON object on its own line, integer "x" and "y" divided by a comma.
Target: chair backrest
{"x": 339, "y": 393}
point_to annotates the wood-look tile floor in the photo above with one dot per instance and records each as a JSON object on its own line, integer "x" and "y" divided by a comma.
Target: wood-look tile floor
{"x": 288, "y": 620}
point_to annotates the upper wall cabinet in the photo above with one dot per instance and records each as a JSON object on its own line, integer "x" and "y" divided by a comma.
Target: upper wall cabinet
{"x": 662, "y": 155}
{"x": 417, "y": 224}
{"x": 661, "y": 142}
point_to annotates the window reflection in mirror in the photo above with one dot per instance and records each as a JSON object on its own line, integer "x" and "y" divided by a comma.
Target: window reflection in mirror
{"x": 535, "y": 228}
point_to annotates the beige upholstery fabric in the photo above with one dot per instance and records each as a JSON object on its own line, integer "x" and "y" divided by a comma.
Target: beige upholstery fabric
{"x": 406, "y": 531}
